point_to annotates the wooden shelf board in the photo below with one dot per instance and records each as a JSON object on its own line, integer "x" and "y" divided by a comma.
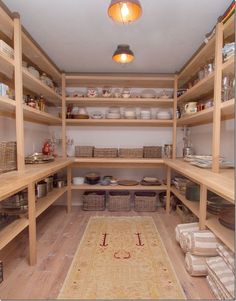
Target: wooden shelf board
{"x": 229, "y": 27}
{"x": 206, "y": 116}
{"x": 204, "y": 53}
{"x": 193, "y": 206}
{"x": 224, "y": 234}
{"x": 6, "y": 65}
{"x": 6, "y": 22}
{"x": 102, "y": 101}
{"x": 34, "y": 115}
{"x": 7, "y": 105}
{"x": 38, "y": 57}
{"x": 117, "y": 187}
{"x": 35, "y": 85}
{"x": 8, "y": 233}
{"x": 202, "y": 88}
{"x": 202, "y": 117}
{"x": 119, "y": 122}
{"x": 120, "y": 80}
{"x": 43, "y": 203}
{"x": 228, "y": 66}
{"x": 221, "y": 183}
{"x": 32, "y": 173}
{"x": 118, "y": 162}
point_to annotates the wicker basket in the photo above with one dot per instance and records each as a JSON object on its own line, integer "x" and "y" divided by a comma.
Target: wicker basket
{"x": 152, "y": 151}
{"x": 131, "y": 153}
{"x": 7, "y": 156}
{"x": 119, "y": 201}
{"x": 84, "y": 151}
{"x": 145, "y": 201}
{"x": 94, "y": 200}
{"x": 186, "y": 216}
{"x": 105, "y": 152}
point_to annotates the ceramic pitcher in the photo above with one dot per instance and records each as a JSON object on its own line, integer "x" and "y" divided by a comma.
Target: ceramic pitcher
{"x": 190, "y": 107}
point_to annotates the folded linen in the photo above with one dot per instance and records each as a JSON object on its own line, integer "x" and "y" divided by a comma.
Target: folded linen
{"x": 215, "y": 290}
{"x": 183, "y": 242}
{"x": 227, "y": 255}
{"x": 195, "y": 265}
{"x": 202, "y": 243}
{"x": 185, "y": 228}
{"x": 222, "y": 275}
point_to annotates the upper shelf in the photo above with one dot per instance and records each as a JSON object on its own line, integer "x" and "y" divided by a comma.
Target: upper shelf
{"x": 6, "y": 65}
{"x": 203, "y": 87}
{"x": 35, "y": 54}
{"x": 120, "y": 80}
{"x": 228, "y": 66}
{"x": 206, "y": 116}
{"x": 6, "y": 22}
{"x": 229, "y": 27}
{"x": 119, "y": 122}
{"x": 204, "y": 53}
{"x": 102, "y": 101}
{"x": 35, "y": 85}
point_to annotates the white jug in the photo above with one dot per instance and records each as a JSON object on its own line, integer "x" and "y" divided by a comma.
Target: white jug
{"x": 190, "y": 107}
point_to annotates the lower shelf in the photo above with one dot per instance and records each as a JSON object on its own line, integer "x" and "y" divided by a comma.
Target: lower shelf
{"x": 224, "y": 234}
{"x": 193, "y": 206}
{"x": 118, "y": 187}
{"x": 43, "y": 203}
{"x": 12, "y": 230}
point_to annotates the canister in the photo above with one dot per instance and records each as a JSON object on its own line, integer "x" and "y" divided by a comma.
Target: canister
{"x": 168, "y": 148}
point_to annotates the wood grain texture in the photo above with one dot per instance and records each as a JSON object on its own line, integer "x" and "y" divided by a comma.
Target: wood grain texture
{"x": 58, "y": 237}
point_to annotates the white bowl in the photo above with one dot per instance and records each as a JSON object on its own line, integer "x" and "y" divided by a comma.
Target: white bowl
{"x": 78, "y": 180}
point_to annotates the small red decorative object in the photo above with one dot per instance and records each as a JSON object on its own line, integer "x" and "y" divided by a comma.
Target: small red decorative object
{"x": 46, "y": 149}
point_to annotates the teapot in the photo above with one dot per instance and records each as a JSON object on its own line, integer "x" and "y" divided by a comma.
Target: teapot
{"x": 190, "y": 107}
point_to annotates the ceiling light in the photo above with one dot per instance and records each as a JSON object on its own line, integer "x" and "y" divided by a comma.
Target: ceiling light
{"x": 124, "y": 11}
{"x": 123, "y": 54}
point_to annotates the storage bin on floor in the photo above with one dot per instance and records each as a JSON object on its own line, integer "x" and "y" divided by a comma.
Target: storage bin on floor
{"x": 94, "y": 200}
{"x": 145, "y": 201}
{"x": 119, "y": 201}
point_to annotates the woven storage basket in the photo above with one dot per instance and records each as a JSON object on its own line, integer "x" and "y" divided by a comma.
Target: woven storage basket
{"x": 84, "y": 151}
{"x": 145, "y": 201}
{"x": 7, "y": 156}
{"x": 94, "y": 200}
{"x": 119, "y": 201}
{"x": 105, "y": 152}
{"x": 152, "y": 151}
{"x": 131, "y": 153}
{"x": 186, "y": 216}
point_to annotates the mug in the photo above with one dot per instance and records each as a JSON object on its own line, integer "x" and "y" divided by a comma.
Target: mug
{"x": 190, "y": 107}
{"x": 200, "y": 107}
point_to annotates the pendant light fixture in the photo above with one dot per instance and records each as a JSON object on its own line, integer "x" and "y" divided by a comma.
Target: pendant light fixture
{"x": 123, "y": 54}
{"x": 124, "y": 11}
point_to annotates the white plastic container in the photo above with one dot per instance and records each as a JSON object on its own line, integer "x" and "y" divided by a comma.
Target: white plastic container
{"x": 78, "y": 180}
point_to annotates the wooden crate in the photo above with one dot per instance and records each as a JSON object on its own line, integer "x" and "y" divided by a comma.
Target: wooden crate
{"x": 131, "y": 153}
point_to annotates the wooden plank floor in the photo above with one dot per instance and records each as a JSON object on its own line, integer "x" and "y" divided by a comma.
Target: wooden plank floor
{"x": 58, "y": 235}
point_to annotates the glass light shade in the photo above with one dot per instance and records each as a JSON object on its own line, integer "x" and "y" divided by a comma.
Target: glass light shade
{"x": 123, "y": 54}
{"x": 124, "y": 11}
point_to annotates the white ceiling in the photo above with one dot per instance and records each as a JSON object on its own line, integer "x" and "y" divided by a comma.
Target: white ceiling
{"x": 80, "y": 37}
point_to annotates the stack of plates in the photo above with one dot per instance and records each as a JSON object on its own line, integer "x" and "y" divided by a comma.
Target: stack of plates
{"x": 113, "y": 113}
{"x": 163, "y": 115}
{"x": 130, "y": 114}
{"x": 38, "y": 158}
{"x": 150, "y": 181}
{"x": 145, "y": 114}
{"x": 97, "y": 115}
{"x": 227, "y": 218}
{"x": 148, "y": 93}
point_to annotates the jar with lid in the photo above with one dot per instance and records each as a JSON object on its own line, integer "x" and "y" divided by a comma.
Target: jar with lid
{"x": 168, "y": 150}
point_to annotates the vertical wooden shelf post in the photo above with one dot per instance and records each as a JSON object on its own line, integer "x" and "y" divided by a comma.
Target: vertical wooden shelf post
{"x": 32, "y": 224}
{"x": 19, "y": 93}
{"x": 217, "y": 99}
{"x": 174, "y": 129}
{"x": 168, "y": 189}
{"x": 63, "y": 115}
{"x": 202, "y": 207}
{"x": 69, "y": 178}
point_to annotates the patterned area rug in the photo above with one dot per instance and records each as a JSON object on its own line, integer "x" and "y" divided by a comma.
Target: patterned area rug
{"x": 121, "y": 258}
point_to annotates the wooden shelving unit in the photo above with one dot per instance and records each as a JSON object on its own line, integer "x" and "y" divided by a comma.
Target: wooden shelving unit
{"x": 7, "y": 105}
{"x": 6, "y": 65}
{"x": 202, "y": 88}
{"x": 228, "y": 66}
{"x": 193, "y": 206}
{"x": 8, "y": 233}
{"x": 118, "y": 187}
{"x": 35, "y": 85}
{"x": 206, "y": 116}
{"x": 226, "y": 235}
{"x": 103, "y": 102}
{"x": 119, "y": 122}
{"x": 229, "y": 27}
{"x": 43, "y": 203}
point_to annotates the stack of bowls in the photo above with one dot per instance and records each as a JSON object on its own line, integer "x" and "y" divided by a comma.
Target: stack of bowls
{"x": 163, "y": 115}
{"x": 130, "y": 113}
{"x": 145, "y": 114}
{"x": 113, "y": 113}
